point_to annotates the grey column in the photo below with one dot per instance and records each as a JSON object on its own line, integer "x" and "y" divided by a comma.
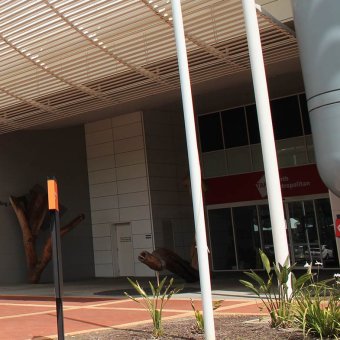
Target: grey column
{"x": 317, "y": 24}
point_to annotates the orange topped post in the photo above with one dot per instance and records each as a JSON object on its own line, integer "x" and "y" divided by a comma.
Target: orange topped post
{"x": 53, "y": 206}
{"x": 52, "y": 190}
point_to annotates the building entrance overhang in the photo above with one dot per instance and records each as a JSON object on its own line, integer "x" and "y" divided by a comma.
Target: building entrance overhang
{"x": 65, "y": 58}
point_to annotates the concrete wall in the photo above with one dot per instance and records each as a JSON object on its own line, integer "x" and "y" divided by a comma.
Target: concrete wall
{"x": 168, "y": 169}
{"x": 27, "y": 158}
{"x": 119, "y": 190}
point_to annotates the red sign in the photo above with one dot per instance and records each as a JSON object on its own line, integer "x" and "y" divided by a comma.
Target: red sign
{"x": 297, "y": 181}
{"x": 337, "y": 227}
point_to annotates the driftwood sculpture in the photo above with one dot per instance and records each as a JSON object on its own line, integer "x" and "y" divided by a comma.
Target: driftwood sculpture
{"x": 31, "y": 213}
{"x": 165, "y": 259}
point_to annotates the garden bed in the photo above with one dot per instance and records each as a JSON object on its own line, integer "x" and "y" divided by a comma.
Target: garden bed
{"x": 227, "y": 327}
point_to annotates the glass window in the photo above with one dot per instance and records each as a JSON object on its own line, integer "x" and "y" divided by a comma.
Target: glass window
{"x": 266, "y": 229}
{"x": 222, "y": 239}
{"x": 247, "y": 235}
{"x": 305, "y": 114}
{"x": 210, "y": 132}
{"x": 234, "y": 127}
{"x": 253, "y": 124}
{"x": 286, "y": 117}
{"x": 303, "y": 231}
{"x": 328, "y": 251}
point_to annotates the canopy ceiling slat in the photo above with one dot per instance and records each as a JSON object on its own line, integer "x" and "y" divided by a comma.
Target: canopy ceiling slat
{"x": 61, "y": 58}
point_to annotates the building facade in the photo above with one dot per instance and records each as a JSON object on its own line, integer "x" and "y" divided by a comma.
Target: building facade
{"x": 125, "y": 166}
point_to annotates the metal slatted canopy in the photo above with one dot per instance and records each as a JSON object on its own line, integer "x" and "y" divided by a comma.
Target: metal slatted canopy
{"x": 61, "y": 58}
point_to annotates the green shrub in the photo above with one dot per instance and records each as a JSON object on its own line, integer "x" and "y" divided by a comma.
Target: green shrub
{"x": 155, "y": 304}
{"x": 317, "y": 309}
{"x": 277, "y": 300}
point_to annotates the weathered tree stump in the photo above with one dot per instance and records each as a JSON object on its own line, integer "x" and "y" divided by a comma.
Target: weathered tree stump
{"x": 31, "y": 214}
{"x": 165, "y": 259}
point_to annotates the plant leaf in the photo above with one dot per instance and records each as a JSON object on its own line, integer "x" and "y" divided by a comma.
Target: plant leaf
{"x": 250, "y": 286}
{"x": 265, "y": 261}
{"x": 255, "y": 277}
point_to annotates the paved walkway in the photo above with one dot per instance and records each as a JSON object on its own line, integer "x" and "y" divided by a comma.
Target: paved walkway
{"x": 28, "y": 311}
{"x": 27, "y": 317}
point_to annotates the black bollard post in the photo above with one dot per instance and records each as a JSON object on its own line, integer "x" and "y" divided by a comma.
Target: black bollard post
{"x": 53, "y": 206}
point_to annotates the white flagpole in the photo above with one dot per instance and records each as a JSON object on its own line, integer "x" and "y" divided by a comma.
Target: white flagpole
{"x": 266, "y": 133}
{"x": 195, "y": 171}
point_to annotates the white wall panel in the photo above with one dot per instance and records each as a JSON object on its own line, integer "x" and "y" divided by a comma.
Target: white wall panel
{"x": 143, "y": 241}
{"x": 99, "y": 150}
{"x": 101, "y": 163}
{"x": 132, "y": 185}
{"x": 105, "y": 216}
{"x": 141, "y": 227}
{"x": 103, "y": 270}
{"x": 130, "y": 158}
{"x": 129, "y": 144}
{"x": 104, "y": 203}
{"x": 103, "y": 189}
{"x": 119, "y": 188}
{"x": 141, "y": 212}
{"x": 131, "y": 171}
{"x": 99, "y": 137}
{"x": 102, "y": 176}
{"x": 127, "y": 131}
{"x": 133, "y": 199}
{"x": 103, "y": 257}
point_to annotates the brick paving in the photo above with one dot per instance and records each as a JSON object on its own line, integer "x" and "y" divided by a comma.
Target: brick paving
{"x": 29, "y": 317}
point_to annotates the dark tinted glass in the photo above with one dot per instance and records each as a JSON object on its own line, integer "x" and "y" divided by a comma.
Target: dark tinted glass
{"x": 222, "y": 239}
{"x": 305, "y": 114}
{"x": 234, "y": 127}
{"x": 247, "y": 237}
{"x": 210, "y": 132}
{"x": 286, "y": 117}
{"x": 253, "y": 124}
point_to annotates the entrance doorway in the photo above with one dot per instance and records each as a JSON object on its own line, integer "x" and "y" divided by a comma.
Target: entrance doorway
{"x": 311, "y": 233}
{"x": 124, "y": 249}
{"x": 236, "y": 234}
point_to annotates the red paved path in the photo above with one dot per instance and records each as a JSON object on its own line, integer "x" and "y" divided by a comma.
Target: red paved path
{"x": 23, "y": 317}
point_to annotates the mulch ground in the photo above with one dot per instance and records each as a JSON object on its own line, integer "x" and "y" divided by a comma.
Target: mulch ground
{"x": 231, "y": 327}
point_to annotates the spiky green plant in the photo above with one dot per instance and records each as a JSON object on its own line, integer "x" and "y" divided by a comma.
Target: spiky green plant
{"x": 199, "y": 316}
{"x": 155, "y": 303}
{"x": 276, "y": 300}
{"x": 317, "y": 310}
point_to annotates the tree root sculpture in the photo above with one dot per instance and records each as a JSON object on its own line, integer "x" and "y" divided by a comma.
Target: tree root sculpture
{"x": 31, "y": 214}
{"x": 165, "y": 259}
